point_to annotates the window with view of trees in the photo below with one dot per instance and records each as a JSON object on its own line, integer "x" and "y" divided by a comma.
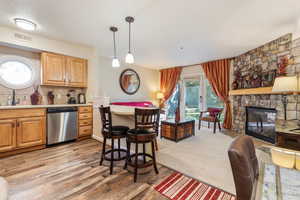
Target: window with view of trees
{"x": 196, "y": 96}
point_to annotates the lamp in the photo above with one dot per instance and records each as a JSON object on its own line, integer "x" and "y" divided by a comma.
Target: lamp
{"x": 285, "y": 84}
{"x": 159, "y": 97}
{"x": 115, "y": 61}
{"x": 129, "y": 57}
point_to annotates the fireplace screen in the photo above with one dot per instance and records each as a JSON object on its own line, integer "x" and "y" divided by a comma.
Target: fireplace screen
{"x": 260, "y": 123}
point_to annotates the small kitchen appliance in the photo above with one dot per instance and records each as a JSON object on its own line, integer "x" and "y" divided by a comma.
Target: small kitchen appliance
{"x": 81, "y": 98}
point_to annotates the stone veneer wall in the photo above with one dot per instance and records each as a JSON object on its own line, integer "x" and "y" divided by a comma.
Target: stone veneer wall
{"x": 266, "y": 56}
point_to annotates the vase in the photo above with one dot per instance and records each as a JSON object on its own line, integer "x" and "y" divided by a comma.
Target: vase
{"x": 36, "y": 97}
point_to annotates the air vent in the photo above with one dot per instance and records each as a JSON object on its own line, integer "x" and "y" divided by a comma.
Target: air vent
{"x": 22, "y": 37}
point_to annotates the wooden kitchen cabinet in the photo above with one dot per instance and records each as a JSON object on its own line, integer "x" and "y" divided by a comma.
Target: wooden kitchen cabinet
{"x": 7, "y": 135}
{"x": 22, "y": 130}
{"x": 60, "y": 70}
{"x": 31, "y": 131}
{"x": 76, "y": 72}
{"x": 53, "y": 69}
{"x": 85, "y": 121}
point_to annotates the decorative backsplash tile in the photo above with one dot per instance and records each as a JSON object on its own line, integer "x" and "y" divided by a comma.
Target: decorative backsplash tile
{"x": 23, "y": 95}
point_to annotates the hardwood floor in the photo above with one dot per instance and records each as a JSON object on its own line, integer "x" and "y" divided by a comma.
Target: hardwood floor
{"x": 72, "y": 171}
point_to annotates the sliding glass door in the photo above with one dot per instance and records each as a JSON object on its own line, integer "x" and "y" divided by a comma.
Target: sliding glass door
{"x": 196, "y": 96}
{"x": 192, "y": 98}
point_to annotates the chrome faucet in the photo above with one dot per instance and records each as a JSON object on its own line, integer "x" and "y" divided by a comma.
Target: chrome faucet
{"x": 13, "y": 102}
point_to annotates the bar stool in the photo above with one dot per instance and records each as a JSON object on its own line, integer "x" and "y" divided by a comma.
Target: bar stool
{"x": 111, "y": 132}
{"x": 145, "y": 132}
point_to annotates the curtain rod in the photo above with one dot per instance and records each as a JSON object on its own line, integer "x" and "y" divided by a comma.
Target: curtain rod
{"x": 184, "y": 66}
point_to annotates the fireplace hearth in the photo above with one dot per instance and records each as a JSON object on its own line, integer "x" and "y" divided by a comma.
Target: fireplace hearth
{"x": 260, "y": 123}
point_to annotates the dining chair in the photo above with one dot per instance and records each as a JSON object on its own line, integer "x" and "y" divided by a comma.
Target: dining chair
{"x": 212, "y": 116}
{"x": 244, "y": 165}
{"x": 145, "y": 132}
{"x": 111, "y": 132}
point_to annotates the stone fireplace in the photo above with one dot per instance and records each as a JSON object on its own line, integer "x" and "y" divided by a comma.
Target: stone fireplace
{"x": 260, "y": 123}
{"x": 266, "y": 59}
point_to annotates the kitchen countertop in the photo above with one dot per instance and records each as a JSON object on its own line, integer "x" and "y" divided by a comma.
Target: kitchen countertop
{"x": 42, "y": 106}
{"x": 289, "y": 128}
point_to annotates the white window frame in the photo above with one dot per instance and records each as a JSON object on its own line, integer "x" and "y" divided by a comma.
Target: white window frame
{"x": 27, "y": 62}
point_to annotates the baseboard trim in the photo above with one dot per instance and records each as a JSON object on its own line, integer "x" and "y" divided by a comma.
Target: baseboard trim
{"x": 98, "y": 138}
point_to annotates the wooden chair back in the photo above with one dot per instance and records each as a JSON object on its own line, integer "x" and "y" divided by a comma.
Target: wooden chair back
{"x": 147, "y": 119}
{"x": 106, "y": 120}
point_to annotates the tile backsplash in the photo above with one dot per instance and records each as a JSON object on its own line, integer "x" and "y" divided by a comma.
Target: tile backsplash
{"x": 23, "y": 95}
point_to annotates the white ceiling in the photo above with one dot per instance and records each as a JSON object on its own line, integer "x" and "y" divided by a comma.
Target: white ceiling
{"x": 205, "y": 29}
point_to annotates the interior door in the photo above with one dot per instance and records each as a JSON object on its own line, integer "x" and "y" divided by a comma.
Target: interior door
{"x": 7, "y": 135}
{"x": 54, "y": 69}
{"x": 31, "y": 131}
{"x": 76, "y": 72}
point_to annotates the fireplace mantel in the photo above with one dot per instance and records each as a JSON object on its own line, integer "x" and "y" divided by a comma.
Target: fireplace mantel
{"x": 261, "y": 90}
{"x": 251, "y": 91}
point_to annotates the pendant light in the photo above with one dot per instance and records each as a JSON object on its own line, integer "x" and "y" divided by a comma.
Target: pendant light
{"x": 129, "y": 57}
{"x": 115, "y": 60}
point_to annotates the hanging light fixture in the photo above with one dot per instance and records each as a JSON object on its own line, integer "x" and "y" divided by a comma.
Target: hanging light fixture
{"x": 129, "y": 57}
{"x": 115, "y": 60}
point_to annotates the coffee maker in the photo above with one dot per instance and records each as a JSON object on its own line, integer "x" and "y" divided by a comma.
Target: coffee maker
{"x": 71, "y": 97}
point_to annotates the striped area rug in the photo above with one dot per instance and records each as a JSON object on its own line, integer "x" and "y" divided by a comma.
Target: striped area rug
{"x": 179, "y": 187}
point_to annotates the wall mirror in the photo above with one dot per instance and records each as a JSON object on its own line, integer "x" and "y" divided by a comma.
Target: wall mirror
{"x": 129, "y": 81}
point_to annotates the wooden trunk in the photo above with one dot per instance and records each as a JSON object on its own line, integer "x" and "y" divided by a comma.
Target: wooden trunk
{"x": 177, "y": 131}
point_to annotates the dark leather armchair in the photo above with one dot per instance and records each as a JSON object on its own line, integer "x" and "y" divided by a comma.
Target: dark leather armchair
{"x": 244, "y": 166}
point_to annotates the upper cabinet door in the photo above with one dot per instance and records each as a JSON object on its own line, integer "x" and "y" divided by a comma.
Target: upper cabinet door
{"x": 7, "y": 135}
{"x": 53, "y": 69}
{"x": 76, "y": 72}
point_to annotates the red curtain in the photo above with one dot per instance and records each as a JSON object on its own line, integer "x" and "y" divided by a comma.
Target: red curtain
{"x": 218, "y": 72}
{"x": 168, "y": 80}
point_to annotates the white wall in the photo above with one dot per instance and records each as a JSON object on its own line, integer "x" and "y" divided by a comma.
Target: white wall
{"x": 109, "y": 81}
{"x": 7, "y": 35}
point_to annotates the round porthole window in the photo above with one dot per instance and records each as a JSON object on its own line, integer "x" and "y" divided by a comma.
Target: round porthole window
{"x": 16, "y": 72}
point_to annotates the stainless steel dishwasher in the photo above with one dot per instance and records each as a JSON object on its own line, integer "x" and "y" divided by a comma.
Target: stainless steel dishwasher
{"x": 61, "y": 124}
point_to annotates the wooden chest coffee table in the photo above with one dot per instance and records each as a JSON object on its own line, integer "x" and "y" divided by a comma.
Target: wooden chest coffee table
{"x": 177, "y": 131}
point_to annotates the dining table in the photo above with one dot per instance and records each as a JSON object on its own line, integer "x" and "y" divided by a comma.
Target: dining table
{"x": 275, "y": 182}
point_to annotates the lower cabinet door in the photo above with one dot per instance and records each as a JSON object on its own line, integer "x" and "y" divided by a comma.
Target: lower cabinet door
{"x": 7, "y": 135}
{"x": 31, "y": 132}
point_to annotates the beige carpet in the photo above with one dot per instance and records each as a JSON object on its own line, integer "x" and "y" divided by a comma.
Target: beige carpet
{"x": 203, "y": 157}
